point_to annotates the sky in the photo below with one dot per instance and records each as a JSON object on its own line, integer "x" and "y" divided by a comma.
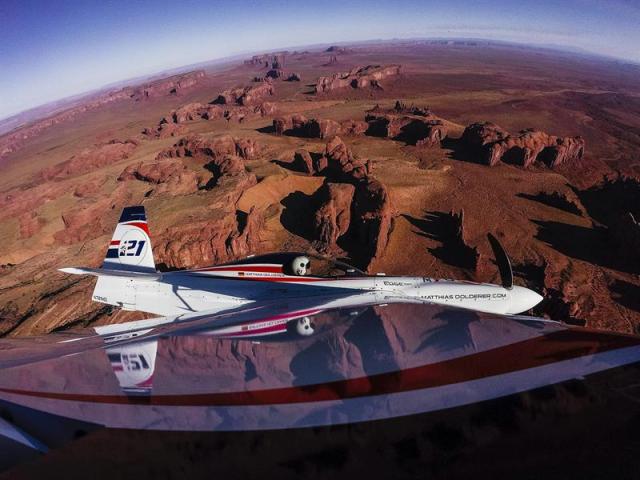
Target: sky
{"x": 52, "y": 49}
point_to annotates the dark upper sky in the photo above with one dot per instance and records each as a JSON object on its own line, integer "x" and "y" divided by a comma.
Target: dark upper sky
{"x": 53, "y": 49}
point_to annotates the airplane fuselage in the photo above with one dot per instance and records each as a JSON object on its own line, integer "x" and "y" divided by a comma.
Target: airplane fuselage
{"x": 226, "y": 287}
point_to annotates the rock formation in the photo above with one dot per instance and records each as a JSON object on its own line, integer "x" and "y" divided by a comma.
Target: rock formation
{"x": 291, "y": 125}
{"x": 195, "y": 145}
{"x": 14, "y": 202}
{"x": 223, "y": 156}
{"x": 337, "y": 162}
{"x": 259, "y": 61}
{"x": 353, "y": 128}
{"x": 189, "y": 112}
{"x": 355, "y": 216}
{"x": 359, "y": 77}
{"x": 91, "y": 159}
{"x": 333, "y": 216}
{"x": 420, "y": 129}
{"x": 323, "y": 128}
{"x": 278, "y": 61}
{"x": 166, "y": 86}
{"x": 169, "y": 125}
{"x": 244, "y": 96}
{"x": 267, "y": 108}
{"x": 491, "y": 144}
{"x": 170, "y": 176}
{"x": 351, "y": 205}
{"x": 342, "y": 163}
{"x": 164, "y": 130}
{"x": 372, "y": 215}
{"x": 228, "y": 235}
{"x": 332, "y": 61}
{"x": 412, "y": 129}
{"x": 275, "y": 73}
{"x": 268, "y": 60}
{"x": 247, "y": 148}
{"x": 300, "y": 126}
{"x": 303, "y": 161}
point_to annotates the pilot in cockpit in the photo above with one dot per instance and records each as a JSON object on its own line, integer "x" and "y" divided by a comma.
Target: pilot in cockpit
{"x": 301, "y": 266}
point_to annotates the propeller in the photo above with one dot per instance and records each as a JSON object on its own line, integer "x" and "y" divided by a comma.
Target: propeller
{"x": 503, "y": 262}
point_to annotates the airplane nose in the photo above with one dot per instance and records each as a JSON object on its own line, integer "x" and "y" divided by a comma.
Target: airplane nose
{"x": 523, "y": 299}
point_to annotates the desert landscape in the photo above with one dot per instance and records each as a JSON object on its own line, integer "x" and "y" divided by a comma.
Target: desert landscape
{"x": 397, "y": 157}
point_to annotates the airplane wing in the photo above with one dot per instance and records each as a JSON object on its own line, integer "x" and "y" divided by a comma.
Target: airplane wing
{"x": 381, "y": 359}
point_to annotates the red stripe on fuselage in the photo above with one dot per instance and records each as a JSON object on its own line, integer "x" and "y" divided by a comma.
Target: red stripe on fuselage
{"x": 278, "y": 328}
{"x": 271, "y": 328}
{"x": 535, "y": 352}
{"x": 257, "y": 268}
{"x": 281, "y": 279}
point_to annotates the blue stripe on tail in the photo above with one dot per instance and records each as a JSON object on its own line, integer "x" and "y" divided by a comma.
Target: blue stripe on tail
{"x": 130, "y": 214}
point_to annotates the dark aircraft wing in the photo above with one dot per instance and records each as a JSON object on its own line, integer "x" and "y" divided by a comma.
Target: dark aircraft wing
{"x": 380, "y": 361}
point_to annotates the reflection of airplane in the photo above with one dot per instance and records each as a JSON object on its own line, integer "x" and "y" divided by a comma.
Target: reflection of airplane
{"x": 128, "y": 279}
{"x": 134, "y": 366}
{"x": 376, "y": 360}
{"x": 133, "y": 360}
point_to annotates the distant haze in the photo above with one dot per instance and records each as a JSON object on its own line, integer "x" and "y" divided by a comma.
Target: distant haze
{"x": 52, "y": 50}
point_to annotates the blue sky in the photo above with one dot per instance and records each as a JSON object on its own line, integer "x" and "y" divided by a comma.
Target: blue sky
{"x": 54, "y": 49}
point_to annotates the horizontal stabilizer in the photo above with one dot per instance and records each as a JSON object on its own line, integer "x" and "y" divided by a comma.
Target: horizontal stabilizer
{"x": 101, "y": 272}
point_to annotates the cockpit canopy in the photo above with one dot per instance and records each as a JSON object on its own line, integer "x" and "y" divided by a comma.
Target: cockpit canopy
{"x": 303, "y": 264}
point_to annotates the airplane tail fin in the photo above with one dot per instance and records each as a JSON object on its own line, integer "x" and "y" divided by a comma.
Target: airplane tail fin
{"x": 129, "y": 260}
{"x": 134, "y": 366}
{"x": 130, "y": 247}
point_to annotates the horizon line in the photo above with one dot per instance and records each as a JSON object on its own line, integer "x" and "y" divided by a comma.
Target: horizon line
{"x": 168, "y": 71}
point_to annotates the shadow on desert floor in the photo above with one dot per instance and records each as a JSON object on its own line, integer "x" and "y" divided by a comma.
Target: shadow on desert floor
{"x": 443, "y": 227}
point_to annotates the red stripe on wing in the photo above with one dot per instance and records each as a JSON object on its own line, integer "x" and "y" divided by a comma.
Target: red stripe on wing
{"x": 539, "y": 351}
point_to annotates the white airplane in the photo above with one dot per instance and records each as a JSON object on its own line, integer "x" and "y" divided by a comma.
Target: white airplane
{"x": 129, "y": 280}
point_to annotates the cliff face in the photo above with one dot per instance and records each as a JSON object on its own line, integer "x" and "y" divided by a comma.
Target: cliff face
{"x": 208, "y": 242}
{"x": 369, "y": 76}
{"x": 414, "y": 127}
{"x": 491, "y": 144}
{"x": 174, "y": 85}
{"x": 245, "y": 96}
{"x": 333, "y": 216}
{"x": 411, "y": 129}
